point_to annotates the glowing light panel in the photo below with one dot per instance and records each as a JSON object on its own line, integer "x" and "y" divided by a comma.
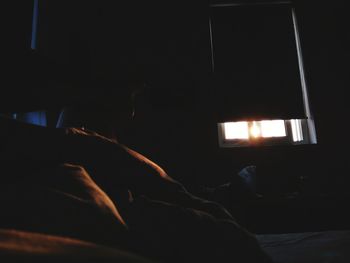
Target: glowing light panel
{"x": 254, "y": 129}
{"x": 236, "y": 130}
{"x": 273, "y": 128}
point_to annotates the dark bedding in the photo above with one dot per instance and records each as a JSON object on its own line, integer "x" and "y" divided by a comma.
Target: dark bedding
{"x": 310, "y": 247}
{"x": 74, "y": 196}
{"x": 57, "y": 205}
{"x": 59, "y": 182}
{"x": 62, "y": 200}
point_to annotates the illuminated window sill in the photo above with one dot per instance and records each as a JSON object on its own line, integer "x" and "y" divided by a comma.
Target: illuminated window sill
{"x": 264, "y": 133}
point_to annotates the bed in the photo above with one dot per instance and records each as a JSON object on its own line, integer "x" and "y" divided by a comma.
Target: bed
{"x": 69, "y": 189}
{"x": 73, "y": 195}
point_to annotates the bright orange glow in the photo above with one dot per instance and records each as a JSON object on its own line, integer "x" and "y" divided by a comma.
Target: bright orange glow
{"x": 255, "y": 130}
{"x": 236, "y": 130}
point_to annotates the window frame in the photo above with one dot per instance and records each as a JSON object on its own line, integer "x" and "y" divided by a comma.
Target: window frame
{"x": 307, "y": 125}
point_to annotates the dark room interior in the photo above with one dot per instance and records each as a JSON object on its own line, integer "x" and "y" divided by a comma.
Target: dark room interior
{"x": 142, "y": 131}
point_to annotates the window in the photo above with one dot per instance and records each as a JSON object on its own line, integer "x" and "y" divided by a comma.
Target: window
{"x": 35, "y": 117}
{"x": 256, "y": 50}
{"x": 264, "y": 132}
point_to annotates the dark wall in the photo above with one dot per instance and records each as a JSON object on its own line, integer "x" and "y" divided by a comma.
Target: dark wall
{"x": 170, "y": 50}
{"x": 325, "y": 41}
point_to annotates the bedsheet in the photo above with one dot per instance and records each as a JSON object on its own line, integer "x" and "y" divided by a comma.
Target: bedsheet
{"x": 308, "y": 247}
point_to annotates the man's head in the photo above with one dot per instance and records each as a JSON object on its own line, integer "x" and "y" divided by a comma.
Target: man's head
{"x": 106, "y": 110}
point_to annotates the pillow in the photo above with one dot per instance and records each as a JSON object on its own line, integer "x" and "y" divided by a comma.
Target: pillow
{"x": 61, "y": 200}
